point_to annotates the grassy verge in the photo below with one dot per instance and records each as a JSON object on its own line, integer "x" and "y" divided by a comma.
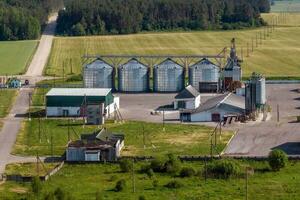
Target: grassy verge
{"x": 29, "y": 169}
{"x": 84, "y": 181}
{"x": 177, "y": 138}
{"x": 15, "y": 56}
{"x": 7, "y": 97}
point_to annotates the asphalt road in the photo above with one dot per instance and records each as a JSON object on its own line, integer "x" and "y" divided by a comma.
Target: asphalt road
{"x": 12, "y": 123}
{"x": 258, "y": 139}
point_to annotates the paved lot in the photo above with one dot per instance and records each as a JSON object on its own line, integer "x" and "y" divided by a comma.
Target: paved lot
{"x": 139, "y": 107}
{"x": 259, "y": 139}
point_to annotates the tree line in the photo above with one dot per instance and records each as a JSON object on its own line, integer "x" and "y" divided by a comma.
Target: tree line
{"x": 21, "y": 20}
{"x": 98, "y": 17}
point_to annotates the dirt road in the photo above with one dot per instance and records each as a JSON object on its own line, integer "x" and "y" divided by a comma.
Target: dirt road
{"x": 12, "y": 123}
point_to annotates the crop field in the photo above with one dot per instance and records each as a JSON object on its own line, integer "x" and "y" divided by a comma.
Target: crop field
{"x": 15, "y": 56}
{"x": 178, "y": 139}
{"x": 6, "y": 100}
{"x": 286, "y": 6}
{"x": 84, "y": 181}
{"x": 278, "y": 56}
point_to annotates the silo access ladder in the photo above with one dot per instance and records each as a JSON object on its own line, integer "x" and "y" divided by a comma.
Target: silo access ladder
{"x": 117, "y": 114}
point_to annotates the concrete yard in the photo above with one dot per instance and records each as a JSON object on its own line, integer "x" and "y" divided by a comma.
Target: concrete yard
{"x": 252, "y": 139}
{"x": 257, "y": 139}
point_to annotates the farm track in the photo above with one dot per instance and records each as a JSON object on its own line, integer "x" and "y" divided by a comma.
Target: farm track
{"x": 12, "y": 123}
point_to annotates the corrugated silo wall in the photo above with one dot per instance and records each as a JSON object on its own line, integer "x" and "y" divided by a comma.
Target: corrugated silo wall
{"x": 168, "y": 78}
{"x": 99, "y": 78}
{"x": 261, "y": 91}
{"x": 132, "y": 79}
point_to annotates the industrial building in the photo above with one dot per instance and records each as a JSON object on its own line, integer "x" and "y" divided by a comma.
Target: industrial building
{"x": 99, "y": 74}
{"x": 205, "y": 76}
{"x": 168, "y": 76}
{"x": 133, "y": 76}
{"x": 99, "y": 146}
{"x": 216, "y": 109}
{"x": 232, "y": 71}
{"x": 189, "y": 98}
{"x": 255, "y": 93}
{"x": 63, "y": 102}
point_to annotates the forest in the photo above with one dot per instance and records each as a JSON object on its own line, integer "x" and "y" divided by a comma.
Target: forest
{"x": 21, "y": 20}
{"x": 100, "y": 17}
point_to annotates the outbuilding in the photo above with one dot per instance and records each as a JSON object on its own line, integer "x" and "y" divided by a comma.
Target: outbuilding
{"x": 64, "y": 102}
{"x": 216, "y": 109}
{"x": 189, "y": 98}
{"x": 101, "y": 145}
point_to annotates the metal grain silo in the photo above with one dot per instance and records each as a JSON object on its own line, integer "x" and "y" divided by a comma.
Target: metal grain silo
{"x": 205, "y": 76}
{"x": 98, "y": 74}
{"x": 260, "y": 90}
{"x": 168, "y": 77}
{"x": 133, "y": 76}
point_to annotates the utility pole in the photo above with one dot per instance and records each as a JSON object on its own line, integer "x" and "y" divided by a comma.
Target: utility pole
{"x": 29, "y": 104}
{"x": 252, "y": 45}
{"x": 242, "y": 53}
{"x": 247, "y": 49}
{"x": 133, "y": 177}
{"x": 164, "y": 120}
{"x": 39, "y": 128}
{"x": 37, "y": 164}
{"x": 144, "y": 140}
{"x": 51, "y": 145}
{"x": 63, "y": 71}
{"x": 69, "y": 130}
{"x": 278, "y": 116}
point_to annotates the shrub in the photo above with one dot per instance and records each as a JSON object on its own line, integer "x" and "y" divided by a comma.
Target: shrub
{"x": 142, "y": 197}
{"x": 157, "y": 165}
{"x": 155, "y": 183}
{"x": 174, "y": 184}
{"x": 277, "y": 159}
{"x": 172, "y": 166}
{"x": 223, "y": 169}
{"x": 150, "y": 173}
{"x": 36, "y": 185}
{"x": 125, "y": 165}
{"x": 187, "y": 172}
{"x": 120, "y": 185}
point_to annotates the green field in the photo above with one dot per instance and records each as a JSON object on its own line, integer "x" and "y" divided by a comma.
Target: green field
{"x": 6, "y": 100}
{"x": 286, "y": 6}
{"x": 278, "y": 56}
{"x": 178, "y": 139}
{"x": 83, "y": 181}
{"x": 15, "y": 56}
{"x": 29, "y": 169}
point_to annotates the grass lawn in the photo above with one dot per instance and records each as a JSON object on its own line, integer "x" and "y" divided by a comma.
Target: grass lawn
{"x": 29, "y": 169}
{"x": 286, "y": 6}
{"x": 15, "y": 56}
{"x": 7, "y": 97}
{"x": 178, "y": 139}
{"x": 83, "y": 181}
{"x": 277, "y": 57}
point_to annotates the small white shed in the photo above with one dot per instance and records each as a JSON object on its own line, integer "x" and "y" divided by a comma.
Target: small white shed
{"x": 189, "y": 98}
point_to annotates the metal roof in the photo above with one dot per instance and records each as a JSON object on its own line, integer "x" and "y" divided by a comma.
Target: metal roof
{"x": 204, "y": 62}
{"x": 169, "y": 63}
{"x": 98, "y": 64}
{"x": 78, "y": 92}
{"x": 188, "y": 92}
{"x": 225, "y": 99}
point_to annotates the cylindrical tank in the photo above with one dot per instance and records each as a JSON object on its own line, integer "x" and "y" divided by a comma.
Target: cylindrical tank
{"x": 133, "y": 76}
{"x": 98, "y": 74}
{"x": 168, "y": 77}
{"x": 203, "y": 72}
{"x": 261, "y": 91}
